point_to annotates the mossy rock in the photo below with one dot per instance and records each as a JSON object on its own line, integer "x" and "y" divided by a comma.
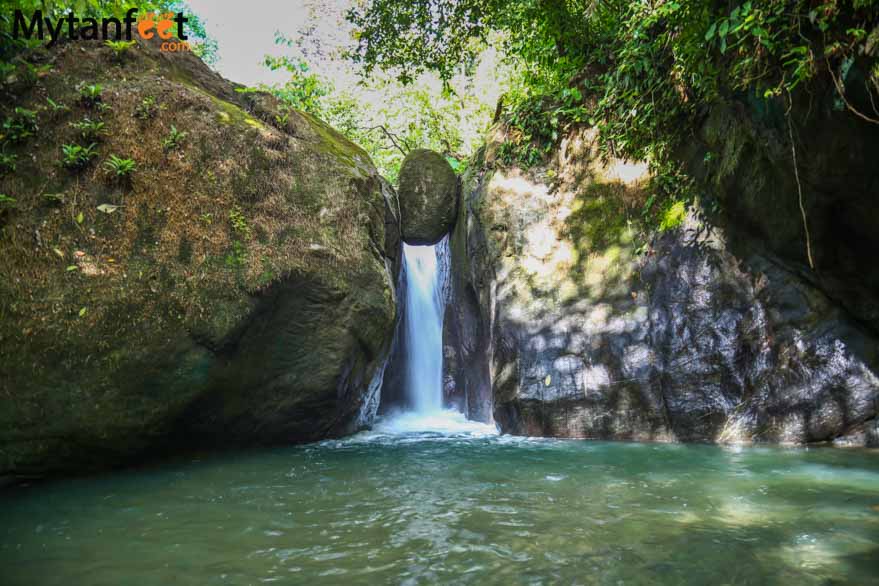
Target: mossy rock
{"x": 428, "y": 195}
{"x": 238, "y": 292}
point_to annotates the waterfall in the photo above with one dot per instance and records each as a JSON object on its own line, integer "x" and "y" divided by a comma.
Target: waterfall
{"x": 424, "y": 322}
{"x": 427, "y": 284}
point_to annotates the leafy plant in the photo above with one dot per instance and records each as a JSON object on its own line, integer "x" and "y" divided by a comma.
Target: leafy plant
{"x": 241, "y": 232}
{"x": 75, "y": 156}
{"x": 673, "y": 215}
{"x": 6, "y": 203}
{"x": 239, "y": 222}
{"x": 121, "y": 168}
{"x": 304, "y": 90}
{"x": 30, "y": 73}
{"x": 91, "y": 95}
{"x": 90, "y": 130}
{"x": 56, "y": 106}
{"x": 20, "y": 125}
{"x": 173, "y": 140}
{"x": 238, "y": 256}
{"x": 107, "y": 208}
{"x": 55, "y": 198}
{"x": 120, "y": 48}
{"x": 146, "y": 109}
{"x": 7, "y": 163}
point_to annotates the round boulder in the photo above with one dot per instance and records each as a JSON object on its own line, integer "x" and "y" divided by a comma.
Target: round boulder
{"x": 428, "y": 197}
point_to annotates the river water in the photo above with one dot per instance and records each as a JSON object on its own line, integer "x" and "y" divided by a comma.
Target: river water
{"x": 465, "y": 507}
{"x": 428, "y": 497}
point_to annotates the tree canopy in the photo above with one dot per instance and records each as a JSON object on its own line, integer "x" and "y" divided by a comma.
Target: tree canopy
{"x": 649, "y": 65}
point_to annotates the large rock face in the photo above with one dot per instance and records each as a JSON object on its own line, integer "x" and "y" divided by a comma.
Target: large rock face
{"x": 750, "y": 172}
{"x": 428, "y": 193}
{"x": 242, "y": 292}
{"x": 568, "y": 330}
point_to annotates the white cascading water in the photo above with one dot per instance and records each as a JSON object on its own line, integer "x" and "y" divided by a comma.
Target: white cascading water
{"x": 424, "y": 306}
{"x": 424, "y": 322}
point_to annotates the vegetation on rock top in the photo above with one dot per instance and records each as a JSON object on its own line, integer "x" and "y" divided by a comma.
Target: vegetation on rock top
{"x": 642, "y": 73}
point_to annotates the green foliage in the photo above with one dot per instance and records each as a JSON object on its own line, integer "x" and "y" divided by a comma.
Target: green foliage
{"x": 673, "y": 215}
{"x": 304, "y": 90}
{"x": 55, "y": 198}
{"x": 537, "y": 122}
{"x": 120, "y": 48}
{"x": 56, "y": 106}
{"x": 640, "y": 72}
{"x": 446, "y": 36}
{"x": 19, "y": 126}
{"x": 400, "y": 119}
{"x": 121, "y": 168}
{"x": 25, "y": 73}
{"x": 90, "y": 130}
{"x": 76, "y": 157}
{"x": 238, "y": 255}
{"x": 458, "y": 166}
{"x": 173, "y": 140}
{"x": 146, "y": 109}
{"x": 6, "y": 203}
{"x": 648, "y": 66}
{"x": 239, "y": 223}
{"x": 203, "y": 45}
{"x": 91, "y": 95}
{"x": 240, "y": 233}
{"x": 7, "y": 163}
{"x": 384, "y": 117}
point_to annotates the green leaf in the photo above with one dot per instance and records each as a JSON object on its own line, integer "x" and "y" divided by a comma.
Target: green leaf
{"x": 107, "y": 208}
{"x": 79, "y": 218}
{"x": 72, "y": 268}
{"x": 82, "y": 312}
{"x": 711, "y": 30}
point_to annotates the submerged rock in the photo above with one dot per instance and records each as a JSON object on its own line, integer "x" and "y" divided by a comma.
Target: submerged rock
{"x": 242, "y": 291}
{"x": 428, "y": 194}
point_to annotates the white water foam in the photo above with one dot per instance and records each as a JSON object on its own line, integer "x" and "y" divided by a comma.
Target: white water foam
{"x": 445, "y": 422}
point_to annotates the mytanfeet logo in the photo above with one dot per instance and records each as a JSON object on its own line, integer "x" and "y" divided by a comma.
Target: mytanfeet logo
{"x": 167, "y": 26}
